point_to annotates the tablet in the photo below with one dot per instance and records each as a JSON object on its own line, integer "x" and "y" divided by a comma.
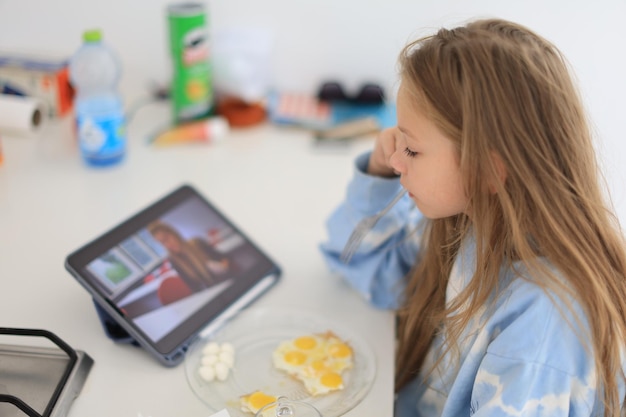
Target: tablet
{"x": 175, "y": 269}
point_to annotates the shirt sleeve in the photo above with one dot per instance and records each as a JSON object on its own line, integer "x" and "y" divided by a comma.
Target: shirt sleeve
{"x": 387, "y": 253}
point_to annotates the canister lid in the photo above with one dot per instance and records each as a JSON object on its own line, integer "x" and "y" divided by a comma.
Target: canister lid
{"x": 185, "y": 9}
{"x": 218, "y": 127}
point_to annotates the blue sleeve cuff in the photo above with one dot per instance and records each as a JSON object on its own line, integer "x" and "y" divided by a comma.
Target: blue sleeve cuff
{"x": 369, "y": 194}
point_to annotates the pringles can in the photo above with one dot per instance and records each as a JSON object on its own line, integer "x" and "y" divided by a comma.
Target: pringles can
{"x": 192, "y": 86}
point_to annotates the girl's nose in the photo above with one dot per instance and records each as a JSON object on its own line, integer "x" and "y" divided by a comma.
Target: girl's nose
{"x": 396, "y": 162}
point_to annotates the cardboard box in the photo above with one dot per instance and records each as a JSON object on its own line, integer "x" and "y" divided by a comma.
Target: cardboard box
{"x": 38, "y": 76}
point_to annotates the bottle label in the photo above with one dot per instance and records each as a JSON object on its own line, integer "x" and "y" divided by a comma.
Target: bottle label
{"x": 101, "y": 137}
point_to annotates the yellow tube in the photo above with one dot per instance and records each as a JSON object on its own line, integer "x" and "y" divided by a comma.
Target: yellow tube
{"x": 201, "y": 131}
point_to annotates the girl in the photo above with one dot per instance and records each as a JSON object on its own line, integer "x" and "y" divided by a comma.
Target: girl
{"x": 196, "y": 262}
{"x": 509, "y": 279}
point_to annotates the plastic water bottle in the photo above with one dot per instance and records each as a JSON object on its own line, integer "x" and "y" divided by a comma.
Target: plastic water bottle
{"x": 95, "y": 72}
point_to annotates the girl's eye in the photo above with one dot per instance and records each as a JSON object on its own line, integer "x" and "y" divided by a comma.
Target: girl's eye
{"x": 410, "y": 153}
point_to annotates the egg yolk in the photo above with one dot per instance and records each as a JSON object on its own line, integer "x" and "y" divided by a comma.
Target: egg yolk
{"x": 305, "y": 342}
{"x": 340, "y": 350}
{"x": 258, "y": 400}
{"x": 331, "y": 380}
{"x": 295, "y": 357}
{"x": 318, "y": 365}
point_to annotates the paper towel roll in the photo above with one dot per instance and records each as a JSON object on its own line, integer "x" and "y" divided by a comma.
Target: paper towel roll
{"x": 20, "y": 115}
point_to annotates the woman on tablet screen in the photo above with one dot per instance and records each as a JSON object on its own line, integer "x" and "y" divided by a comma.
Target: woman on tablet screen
{"x": 197, "y": 263}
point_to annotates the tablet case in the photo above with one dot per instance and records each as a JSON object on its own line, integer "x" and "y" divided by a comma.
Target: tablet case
{"x": 120, "y": 332}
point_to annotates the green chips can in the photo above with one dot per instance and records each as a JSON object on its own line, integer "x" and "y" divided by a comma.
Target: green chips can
{"x": 192, "y": 87}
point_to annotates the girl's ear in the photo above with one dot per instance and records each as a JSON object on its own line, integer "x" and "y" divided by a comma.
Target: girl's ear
{"x": 500, "y": 170}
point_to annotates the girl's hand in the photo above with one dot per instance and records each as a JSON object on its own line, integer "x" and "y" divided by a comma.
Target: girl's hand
{"x": 384, "y": 147}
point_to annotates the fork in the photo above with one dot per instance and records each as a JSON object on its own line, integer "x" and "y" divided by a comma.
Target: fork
{"x": 363, "y": 227}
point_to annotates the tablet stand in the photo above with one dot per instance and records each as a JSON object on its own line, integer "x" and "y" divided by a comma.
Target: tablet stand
{"x": 112, "y": 329}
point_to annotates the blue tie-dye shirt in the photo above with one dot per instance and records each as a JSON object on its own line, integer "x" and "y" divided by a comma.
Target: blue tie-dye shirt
{"x": 522, "y": 357}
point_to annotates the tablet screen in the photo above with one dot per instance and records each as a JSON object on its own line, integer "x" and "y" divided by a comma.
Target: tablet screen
{"x": 171, "y": 269}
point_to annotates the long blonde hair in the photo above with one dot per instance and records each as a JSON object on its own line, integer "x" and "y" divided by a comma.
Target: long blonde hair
{"x": 495, "y": 87}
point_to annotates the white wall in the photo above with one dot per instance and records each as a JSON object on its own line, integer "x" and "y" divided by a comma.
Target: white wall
{"x": 349, "y": 40}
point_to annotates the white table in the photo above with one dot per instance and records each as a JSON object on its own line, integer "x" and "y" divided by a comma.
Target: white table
{"x": 274, "y": 183}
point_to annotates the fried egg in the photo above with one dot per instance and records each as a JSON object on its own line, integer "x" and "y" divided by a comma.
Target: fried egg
{"x": 322, "y": 383}
{"x": 255, "y": 401}
{"x": 317, "y": 360}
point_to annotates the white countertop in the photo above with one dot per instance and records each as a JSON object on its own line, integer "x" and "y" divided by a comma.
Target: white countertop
{"x": 274, "y": 183}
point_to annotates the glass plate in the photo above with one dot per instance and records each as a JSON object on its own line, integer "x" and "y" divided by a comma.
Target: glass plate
{"x": 255, "y": 334}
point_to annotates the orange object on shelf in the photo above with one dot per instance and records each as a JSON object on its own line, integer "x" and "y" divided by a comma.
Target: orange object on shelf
{"x": 42, "y": 77}
{"x": 240, "y": 113}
